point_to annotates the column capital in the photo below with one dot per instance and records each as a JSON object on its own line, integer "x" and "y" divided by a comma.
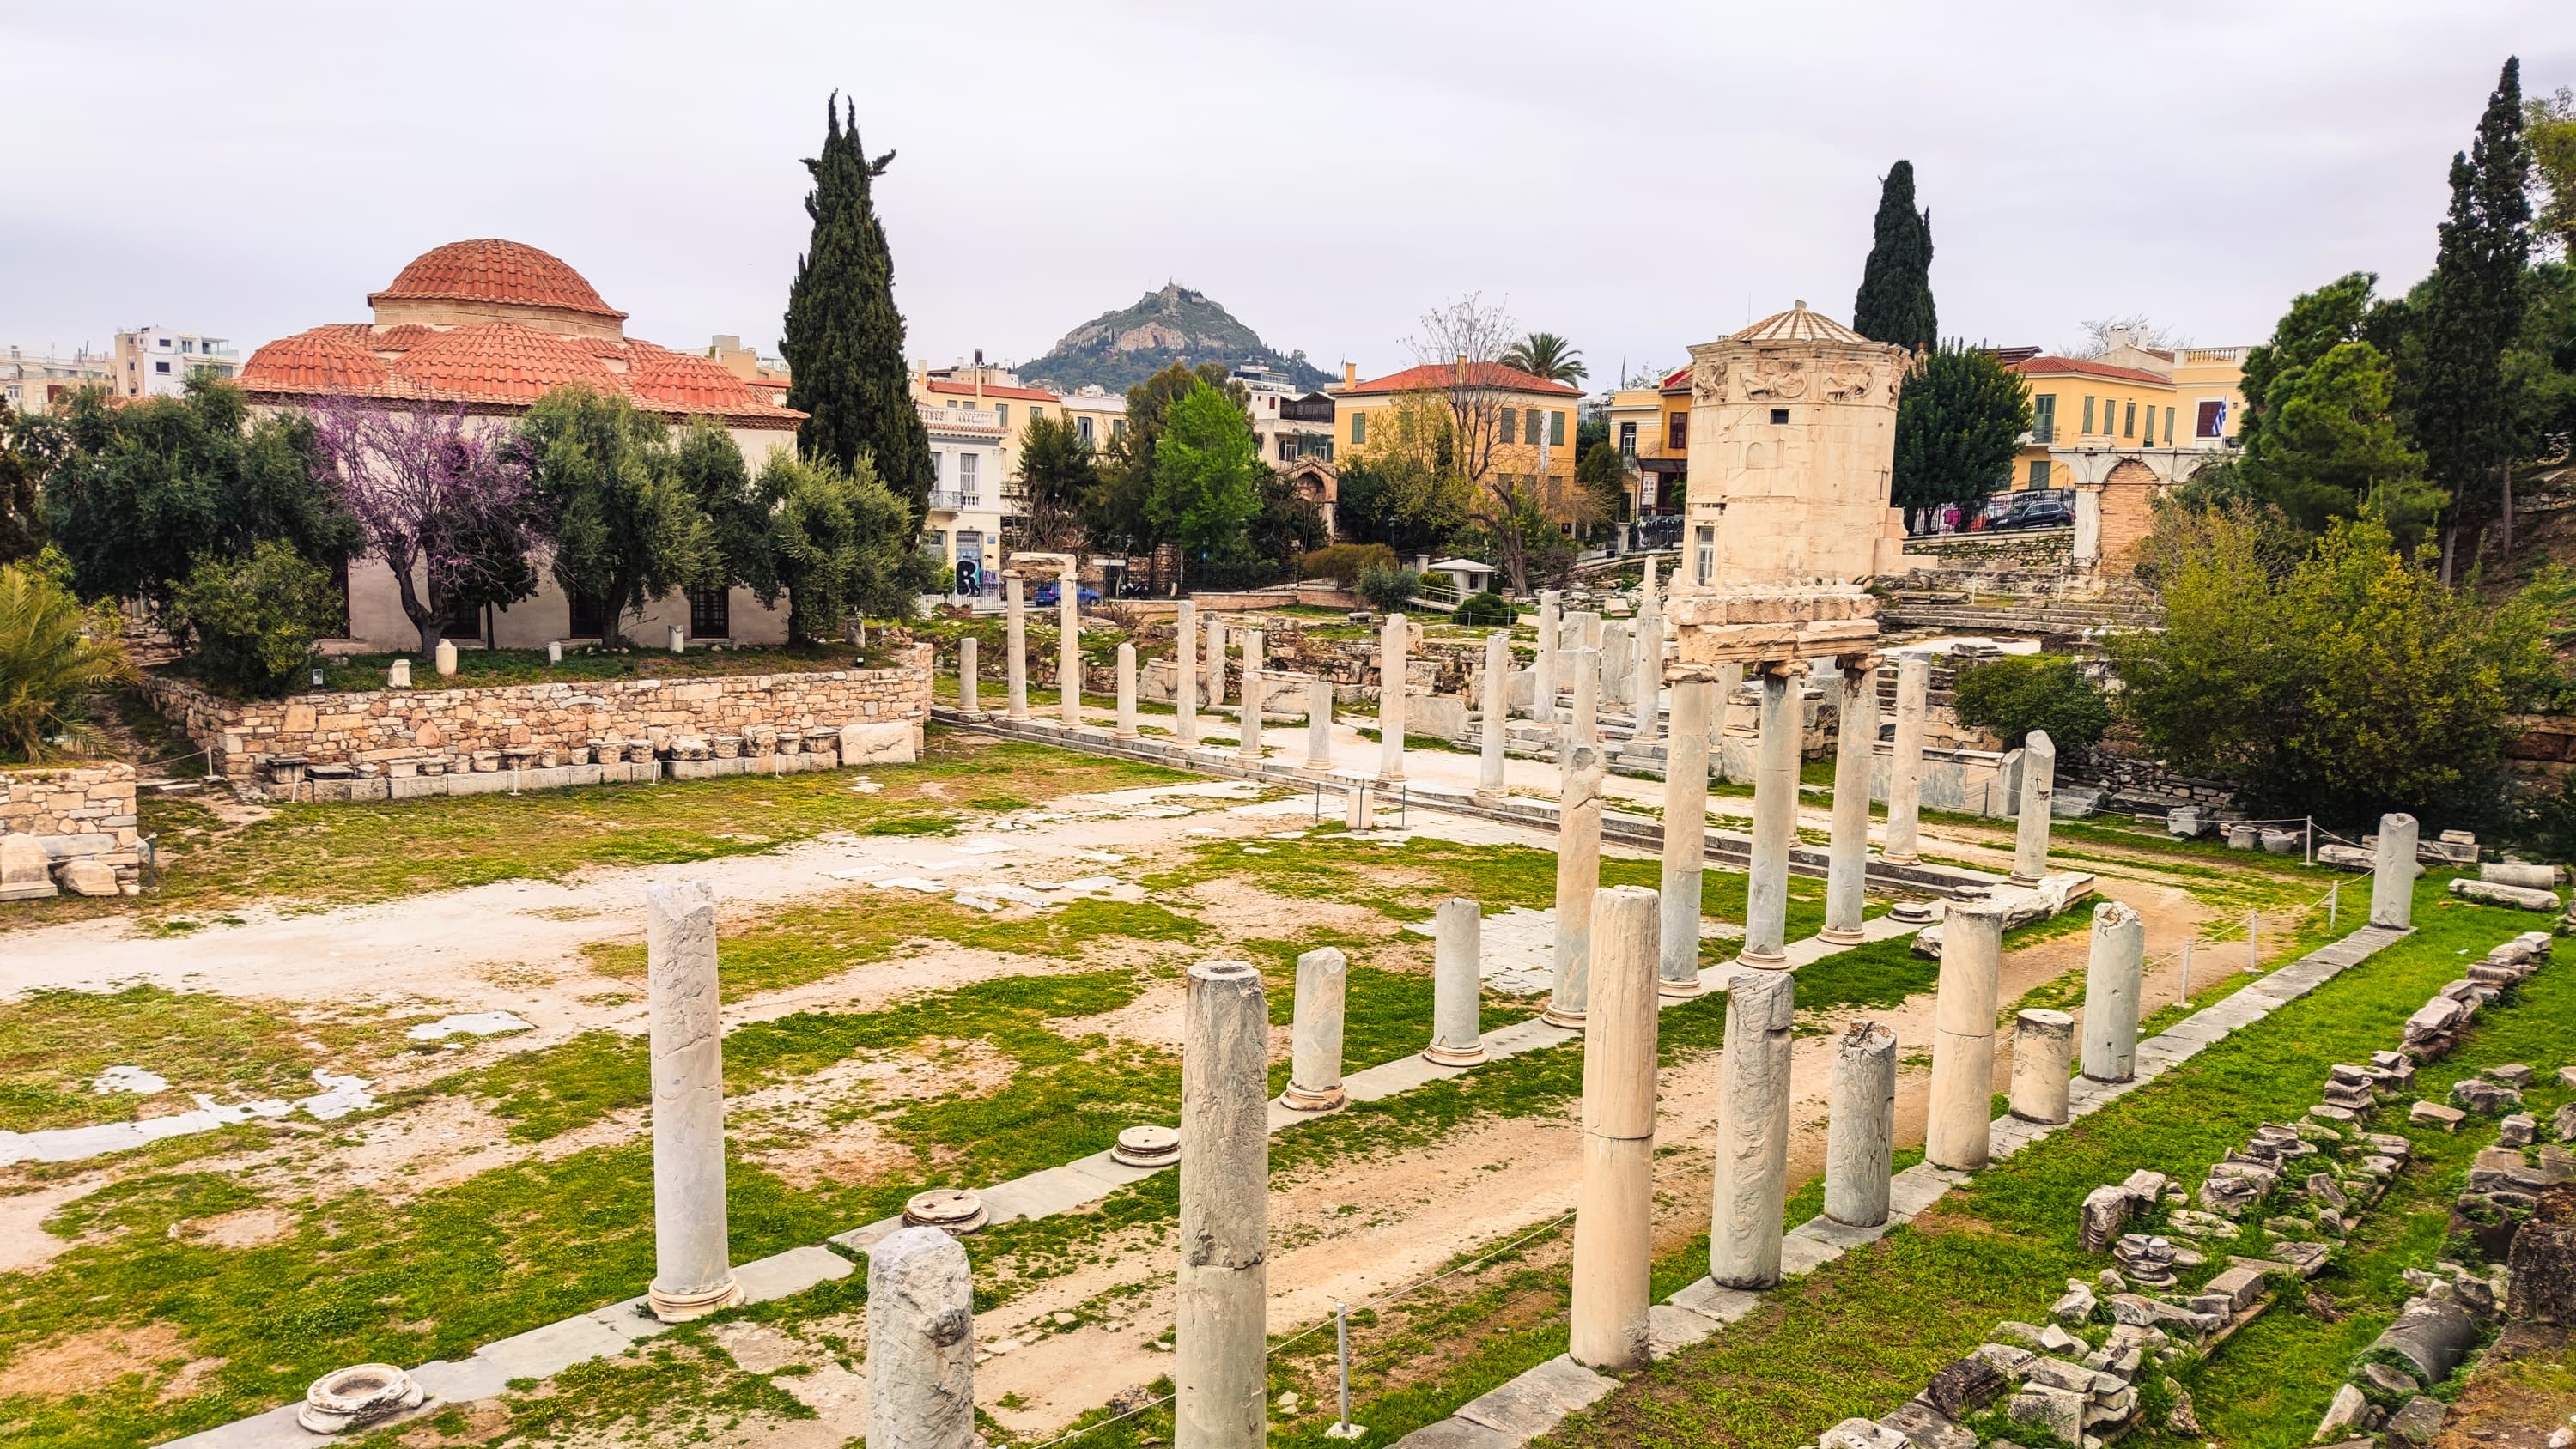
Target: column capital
{"x": 1859, "y": 663}
{"x": 1782, "y": 668}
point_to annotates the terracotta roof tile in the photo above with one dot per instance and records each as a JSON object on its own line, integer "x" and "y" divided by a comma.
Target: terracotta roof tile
{"x": 685, "y": 382}
{"x": 1440, "y": 375}
{"x": 322, "y": 360}
{"x": 493, "y": 270}
{"x": 2082, "y": 368}
{"x": 501, "y": 364}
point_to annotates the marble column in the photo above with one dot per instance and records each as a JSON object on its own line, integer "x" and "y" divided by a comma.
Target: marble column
{"x": 1750, "y": 1194}
{"x": 2038, "y": 794}
{"x": 1126, "y": 692}
{"x": 692, "y": 1269}
{"x": 1390, "y": 700}
{"x": 1905, "y": 762}
{"x": 2043, "y": 1045}
{"x": 1315, "y": 1062}
{"x": 1543, "y": 668}
{"x": 2392, "y": 874}
{"x": 1723, "y": 713}
{"x": 1578, "y": 879}
{"x": 1215, "y": 662}
{"x": 1015, "y": 633}
{"x": 1685, "y": 837}
{"x": 1586, "y": 624}
{"x": 1220, "y": 1317}
{"x": 1847, "y": 868}
{"x": 1498, "y": 668}
{"x": 966, "y": 680}
{"x": 1457, "y": 984}
{"x": 2114, "y": 976}
{"x": 1585, "y": 663}
{"x": 1860, "y": 1133}
{"x": 1249, "y": 746}
{"x": 1185, "y": 674}
{"x": 1319, "y": 724}
{"x": 1963, "y": 1036}
{"x": 921, "y": 1342}
{"x": 1068, "y": 653}
{"x": 1775, "y": 820}
{"x": 1614, "y": 1214}
{"x": 1649, "y": 700}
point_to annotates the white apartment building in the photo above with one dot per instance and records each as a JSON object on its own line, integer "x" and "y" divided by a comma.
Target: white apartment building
{"x": 156, "y": 362}
{"x": 39, "y": 382}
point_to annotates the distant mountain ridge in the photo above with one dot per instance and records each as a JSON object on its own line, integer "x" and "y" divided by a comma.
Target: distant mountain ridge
{"x": 1120, "y": 349}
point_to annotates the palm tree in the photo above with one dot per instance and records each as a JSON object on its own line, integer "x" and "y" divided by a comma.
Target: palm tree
{"x": 1544, "y": 354}
{"x": 49, "y": 665}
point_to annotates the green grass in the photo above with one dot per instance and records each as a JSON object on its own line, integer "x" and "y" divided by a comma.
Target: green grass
{"x": 478, "y": 668}
{"x": 53, "y": 1044}
{"x": 2001, "y": 1247}
{"x": 323, "y": 855}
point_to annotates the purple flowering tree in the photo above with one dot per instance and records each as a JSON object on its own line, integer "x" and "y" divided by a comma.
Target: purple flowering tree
{"x": 450, "y": 513}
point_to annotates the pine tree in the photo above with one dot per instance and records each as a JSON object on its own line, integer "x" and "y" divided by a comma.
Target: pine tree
{"x": 844, "y": 342}
{"x": 2473, "y": 308}
{"x": 1895, "y": 301}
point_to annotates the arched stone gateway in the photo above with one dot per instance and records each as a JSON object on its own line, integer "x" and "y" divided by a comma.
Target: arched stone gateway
{"x": 2115, "y": 506}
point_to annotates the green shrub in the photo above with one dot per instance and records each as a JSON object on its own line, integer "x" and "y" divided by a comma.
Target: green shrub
{"x": 1389, "y": 589}
{"x": 253, "y": 620}
{"x": 53, "y": 655}
{"x": 1487, "y": 609}
{"x": 1343, "y": 562}
{"x": 2023, "y": 692}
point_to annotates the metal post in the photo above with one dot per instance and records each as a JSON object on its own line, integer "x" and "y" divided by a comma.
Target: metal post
{"x": 1342, "y": 1351}
{"x": 2334, "y": 894}
{"x": 2186, "y": 973}
{"x": 2308, "y": 852}
{"x": 2253, "y": 941}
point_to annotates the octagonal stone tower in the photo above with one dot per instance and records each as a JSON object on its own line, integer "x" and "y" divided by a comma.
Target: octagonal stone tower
{"x": 1793, "y": 450}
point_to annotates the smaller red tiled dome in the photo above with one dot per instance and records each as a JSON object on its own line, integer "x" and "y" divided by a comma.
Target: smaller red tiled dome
{"x": 322, "y": 360}
{"x": 500, "y": 362}
{"x": 493, "y": 270}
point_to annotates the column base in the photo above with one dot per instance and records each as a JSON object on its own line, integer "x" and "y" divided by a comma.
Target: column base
{"x": 1298, "y": 1099}
{"x": 2024, "y": 881}
{"x": 1680, "y": 989}
{"x": 681, "y": 1307}
{"x": 1395, "y": 779}
{"x": 1840, "y": 938}
{"x": 1442, "y": 1056}
{"x": 1753, "y": 1284}
{"x": 1908, "y": 858}
{"x": 1571, "y": 1020}
{"x": 1763, "y": 960}
{"x": 1492, "y": 796}
{"x": 1122, "y": 734}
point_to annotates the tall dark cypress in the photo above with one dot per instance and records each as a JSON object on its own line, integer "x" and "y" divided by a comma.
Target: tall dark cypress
{"x": 2473, "y": 307}
{"x": 844, "y": 342}
{"x": 1895, "y": 301}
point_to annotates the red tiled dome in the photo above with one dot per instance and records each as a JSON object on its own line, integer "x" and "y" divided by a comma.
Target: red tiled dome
{"x": 500, "y": 362}
{"x": 322, "y": 360}
{"x": 492, "y": 270}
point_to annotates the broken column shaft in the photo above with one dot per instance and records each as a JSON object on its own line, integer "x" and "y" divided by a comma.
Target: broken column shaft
{"x": 2392, "y": 874}
{"x": 1578, "y": 879}
{"x": 1685, "y": 839}
{"x": 1775, "y": 819}
{"x": 1185, "y": 674}
{"x": 1215, "y": 662}
{"x": 1457, "y": 984}
{"x": 966, "y": 680}
{"x": 692, "y": 1267}
{"x": 1319, "y": 724}
{"x": 1543, "y": 668}
{"x": 1614, "y": 1216}
{"x": 1126, "y": 729}
{"x": 1498, "y": 667}
{"x": 1068, "y": 652}
{"x": 1847, "y": 868}
{"x": 1905, "y": 760}
{"x": 921, "y": 1342}
{"x": 1015, "y": 635}
{"x": 1750, "y": 1192}
{"x": 1963, "y": 1036}
{"x": 1220, "y": 1316}
{"x": 1860, "y": 1132}
{"x": 1248, "y": 741}
{"x": 2113, "y": 977}
{"x": 1315, "y": 1062}
{"x": 2043, "y": 1045}
{"x": 1390, "y": 700}
{"x": 2038, "y": 798}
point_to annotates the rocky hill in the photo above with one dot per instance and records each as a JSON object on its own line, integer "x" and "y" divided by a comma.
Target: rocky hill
{"x": 1119, "y": 349}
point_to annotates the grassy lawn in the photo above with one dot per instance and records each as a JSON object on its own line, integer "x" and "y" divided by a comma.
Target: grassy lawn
{"x": 589, "y": 663}
{"x": 327, "y": 855}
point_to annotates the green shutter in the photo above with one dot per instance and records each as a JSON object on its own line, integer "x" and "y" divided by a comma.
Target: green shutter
{"x": 1556, "y": 430}
{"x": 1511, "y": 420}
{"x": 1359, "y": 430}
{"x": 2088, "y": 412}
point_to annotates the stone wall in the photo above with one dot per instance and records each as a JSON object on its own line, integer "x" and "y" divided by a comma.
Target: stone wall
{"x": 286, "y": 748}
{"x": 69, "y": 828}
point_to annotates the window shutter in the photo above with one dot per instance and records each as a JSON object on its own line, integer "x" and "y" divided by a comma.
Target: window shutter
{"x": 1556, "y": 429}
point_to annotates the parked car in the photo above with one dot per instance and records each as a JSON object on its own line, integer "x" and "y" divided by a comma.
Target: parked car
{"x": 1082, "y": 593}
{"x": 2038, "y": 513}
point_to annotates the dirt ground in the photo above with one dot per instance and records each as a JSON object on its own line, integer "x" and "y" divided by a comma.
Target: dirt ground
{"x": 1348, "y": 1232}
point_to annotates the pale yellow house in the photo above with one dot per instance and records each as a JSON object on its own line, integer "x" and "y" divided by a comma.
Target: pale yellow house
{"x": 1651, "y": 428}
{"x": 2120, "y": 428}
{"x": 1526, "y": 422}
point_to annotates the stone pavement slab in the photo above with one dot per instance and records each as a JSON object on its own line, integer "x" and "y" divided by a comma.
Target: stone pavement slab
{"x": 1538, "y": 1400}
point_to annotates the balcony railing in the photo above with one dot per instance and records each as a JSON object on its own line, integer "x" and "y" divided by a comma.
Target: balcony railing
{"x": 951, "y": 500}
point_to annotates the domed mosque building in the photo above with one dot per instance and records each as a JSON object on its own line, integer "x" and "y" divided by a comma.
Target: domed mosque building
{"x": 491, "y": 326}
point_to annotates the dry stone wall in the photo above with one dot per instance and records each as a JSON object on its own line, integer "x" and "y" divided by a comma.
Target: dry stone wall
{"x": 394, "y": 743}
{"x": 68, "y": 829}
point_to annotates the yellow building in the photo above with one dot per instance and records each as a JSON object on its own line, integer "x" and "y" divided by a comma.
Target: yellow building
{"x": 1528, "y": 421}
{"x": 2120, "y": 428}
{"x": 1651, "y": 427}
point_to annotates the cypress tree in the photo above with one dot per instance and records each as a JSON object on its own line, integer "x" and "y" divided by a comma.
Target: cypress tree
{"x": 844, "y": 342}
{"x": 1895, "y": 301}
{"x": 2473, "y": 308}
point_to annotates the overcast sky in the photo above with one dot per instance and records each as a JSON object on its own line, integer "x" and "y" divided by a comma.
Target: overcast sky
{"x": 1637, "y": 178}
